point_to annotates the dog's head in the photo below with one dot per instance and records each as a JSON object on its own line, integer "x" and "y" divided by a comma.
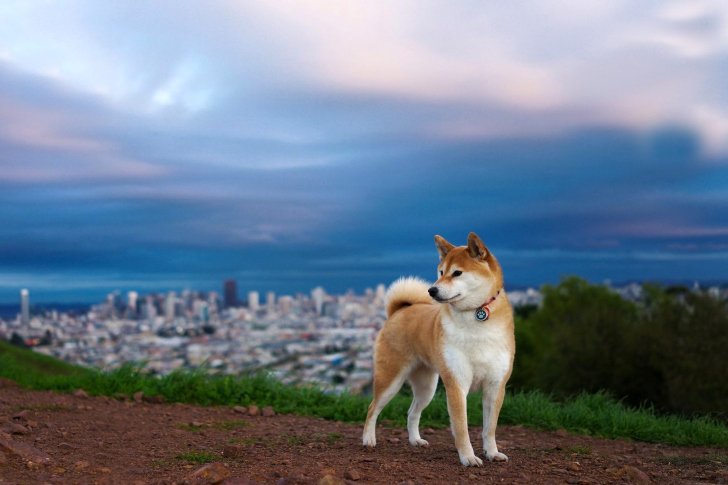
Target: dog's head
{"x": 467, "y": 275}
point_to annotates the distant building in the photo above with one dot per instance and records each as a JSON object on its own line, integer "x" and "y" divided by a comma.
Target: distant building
{"x": 317, "y": 295}
{"x": 253, "y": 301}
{"x": 169, "y": 306}
{"x": 270, "y": 301}
{"x": 24, "y": 306}
{"x": 131, "y": 302}
{"x": 230, "y": 290}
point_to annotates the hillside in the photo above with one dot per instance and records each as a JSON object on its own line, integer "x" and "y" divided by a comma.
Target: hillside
{"x": 75, "y": 439}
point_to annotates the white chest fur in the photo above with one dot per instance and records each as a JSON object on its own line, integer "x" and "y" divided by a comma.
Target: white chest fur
{"x": 476, "y": 353}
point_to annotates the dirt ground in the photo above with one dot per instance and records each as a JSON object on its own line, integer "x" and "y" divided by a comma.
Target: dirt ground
{"x": 70, "y": 439}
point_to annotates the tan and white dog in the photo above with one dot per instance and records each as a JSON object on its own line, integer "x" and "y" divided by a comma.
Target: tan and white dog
{"x": 460, "y": 328}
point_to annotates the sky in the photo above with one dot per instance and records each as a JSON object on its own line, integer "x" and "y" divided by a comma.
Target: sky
{"x": 288, "y": 144}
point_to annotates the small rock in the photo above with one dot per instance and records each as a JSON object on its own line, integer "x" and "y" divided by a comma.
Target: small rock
{"x": 254, "y": 410}
{"x": 80, "y": 393}
{"x": 560, "y": 470}
{"x": 240, "y": 410}
{"x": 472, "y": 476}
{"x": 331, "y": 480}
{"x": 352, "y": 475}
{"x": 211, "y": 474}
{"x": 429, "y": 431}
{"x": 82, "y": 465}
{"x": 637, "y": 475}
{"x": 268, "y": 411}
{"x": 393, "y": 440}
{"x": 66, "y": 446}
{"x": 22, "y": 415}
{"x": 138, "y": 396}
{"x": 232, "y": 451}
{"x": 153, "y": 399}
{"x": 574, "y": 467}
{"x": 9, "y": 427}
{"x": 562, "y": 433}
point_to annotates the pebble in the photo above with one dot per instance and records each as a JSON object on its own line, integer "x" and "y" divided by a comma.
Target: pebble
{"x": 352, "y": 475}
{"x": 254, "y": 410}
{"x": 268, "y": 411}
{"x": 212, "y": 473}
{"x": 22, "y": 415}
{"x": 80, "y": 393}
{"x": 240, "y": 410}
{"x": 638, "y": 476}
{"x": 138, "y": 396}
{"x": 393, "y": 440}
{"x": 331, "y": 480}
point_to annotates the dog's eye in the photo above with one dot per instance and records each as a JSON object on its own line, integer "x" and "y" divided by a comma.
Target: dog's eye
{"x": 457, "y": 273}
{"x": 440, "y": 272}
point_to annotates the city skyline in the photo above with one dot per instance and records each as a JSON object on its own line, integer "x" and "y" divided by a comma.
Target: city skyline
{"x": 289, "y": 144}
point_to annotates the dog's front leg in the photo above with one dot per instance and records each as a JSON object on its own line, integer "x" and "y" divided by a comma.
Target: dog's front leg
{"x": 492, "y": 401}
{"x": 457, "y": 408}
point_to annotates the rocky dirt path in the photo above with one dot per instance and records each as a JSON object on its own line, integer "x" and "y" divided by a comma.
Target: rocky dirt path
{"x": 73, "y": 439}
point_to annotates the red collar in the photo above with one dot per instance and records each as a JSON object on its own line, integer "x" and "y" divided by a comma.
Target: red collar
{"x": 482, "y": 313}
{"x": 490, "y": 301}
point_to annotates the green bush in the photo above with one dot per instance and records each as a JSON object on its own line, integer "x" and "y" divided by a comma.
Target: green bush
{"x": 666, "y": 351}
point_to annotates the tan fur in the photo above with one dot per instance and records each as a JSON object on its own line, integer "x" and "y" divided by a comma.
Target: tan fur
{"x": 405, "y": 292}
{"x": 422, "y": 339}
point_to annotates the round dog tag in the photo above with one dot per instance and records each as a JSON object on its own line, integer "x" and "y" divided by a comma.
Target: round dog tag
{"x": 482, "y": 314}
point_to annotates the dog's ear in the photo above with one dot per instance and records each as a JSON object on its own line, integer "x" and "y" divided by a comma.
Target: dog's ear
{"x": 443, "y": 247}
{"x": 476, "y": 248}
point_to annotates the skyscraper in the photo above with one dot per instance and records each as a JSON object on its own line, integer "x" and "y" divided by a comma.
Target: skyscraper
{"x": 253, "y": 301}
{"x": 169, "y": 306}
{"x": 318, "y": 294}
{"x": 230, "y": 290}
{"x": 270, "y": 301}
{"x": 131, "y": 302}
{"x": 24, "y": 306}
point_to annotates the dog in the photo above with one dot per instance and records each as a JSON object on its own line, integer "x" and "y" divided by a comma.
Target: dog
{"x": 460, "y": 328}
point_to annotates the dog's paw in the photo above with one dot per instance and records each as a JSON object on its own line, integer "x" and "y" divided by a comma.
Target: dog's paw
{"x": 419, "y": 442}
{"x": 471, "y": 460}
{"x": 497, "y": 456}
{"x": 369, "y": 441}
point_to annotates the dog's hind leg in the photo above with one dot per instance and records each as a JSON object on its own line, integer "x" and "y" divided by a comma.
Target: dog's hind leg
{"x": 424, "y": 383}
{"x": 387, "y": 382}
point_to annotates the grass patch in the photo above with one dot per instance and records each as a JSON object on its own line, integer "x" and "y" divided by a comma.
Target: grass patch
{"x": 26, "y": 366}
{"x": 292, "y": 440}
{"x": 333, "y": 437}
{"x": 593, "y": 414}
{"x": 198, "y": 457}
{"x": 580, "y": 450}
{"x": 245, "y": 441}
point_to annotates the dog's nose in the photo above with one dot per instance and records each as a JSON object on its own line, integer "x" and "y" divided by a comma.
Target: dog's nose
{"x": 432, "y": 291}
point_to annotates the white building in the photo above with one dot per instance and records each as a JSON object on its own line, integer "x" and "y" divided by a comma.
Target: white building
{"x": 24, "y": 306}
{"x": 253, "y": 301}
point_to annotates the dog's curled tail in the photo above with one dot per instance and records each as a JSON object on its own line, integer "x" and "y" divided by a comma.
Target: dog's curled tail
{"x": 405, "y": 292}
